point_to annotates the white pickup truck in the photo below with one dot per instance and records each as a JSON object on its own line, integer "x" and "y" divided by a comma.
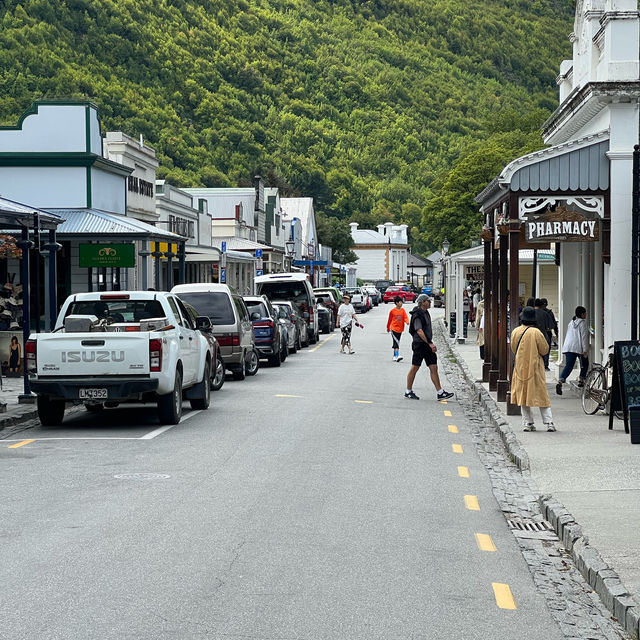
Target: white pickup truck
{"x": 115, "y": 347}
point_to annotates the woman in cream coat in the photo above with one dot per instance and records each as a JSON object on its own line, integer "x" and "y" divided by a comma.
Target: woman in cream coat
{"x": 528, "y": 381}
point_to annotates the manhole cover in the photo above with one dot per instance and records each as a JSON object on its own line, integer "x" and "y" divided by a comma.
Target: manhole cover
{"x": 142, "y": 476}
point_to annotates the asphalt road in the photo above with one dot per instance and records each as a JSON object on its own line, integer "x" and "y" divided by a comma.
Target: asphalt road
{"x": 311, "y": 502}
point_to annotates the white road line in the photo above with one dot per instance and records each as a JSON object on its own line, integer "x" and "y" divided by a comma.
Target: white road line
{"x": 157, "y": 432}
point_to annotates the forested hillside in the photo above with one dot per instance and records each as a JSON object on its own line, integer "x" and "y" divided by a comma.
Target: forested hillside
{"x": 377, "y": 108}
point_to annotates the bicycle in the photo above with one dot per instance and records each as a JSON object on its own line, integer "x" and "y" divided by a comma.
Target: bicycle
{"x": 596, "y": 393}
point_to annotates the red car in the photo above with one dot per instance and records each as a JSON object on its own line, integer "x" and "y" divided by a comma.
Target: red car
{"x": 403, "y": 291}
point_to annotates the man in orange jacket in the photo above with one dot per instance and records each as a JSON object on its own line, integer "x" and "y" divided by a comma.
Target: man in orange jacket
{"x": 396, "y": 322}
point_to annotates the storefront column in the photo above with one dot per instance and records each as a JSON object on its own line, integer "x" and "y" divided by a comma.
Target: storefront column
{"x": 52, "y": 292}
{"x": 488, "y": 302}
{"x": 514, "y": 293}
{"x": 181, "y": 263}
{"x": 156, "y": 268}
{"x": 598, "y": 352}
{"x": 494, "y": 371}
{"x": 25, "y": 245}
{"x": 503, "y": 383}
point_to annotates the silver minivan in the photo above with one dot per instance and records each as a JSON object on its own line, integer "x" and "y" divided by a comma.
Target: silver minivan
{"x": 296, "y": 288}
{"x": 232, "y": 325}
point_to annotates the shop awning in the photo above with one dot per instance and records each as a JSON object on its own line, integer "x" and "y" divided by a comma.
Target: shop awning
{"x": 241, "y": 244}
{"x": 577, "y": 166}
{"x": 204, "y": 254}
{"x": 93, "y": 222}
{"x": 15, "y": 214}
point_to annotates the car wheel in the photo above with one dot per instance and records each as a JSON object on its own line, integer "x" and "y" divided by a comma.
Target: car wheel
{"x": 274, "y": 361}
{"x": 50, "y": 412}
{"x": 298, "y": 343}
{"x": 203, "y": 390}
{"x": 284, "y": 352}
{"x": 252, "y": 363}
{"x": 218, "y": 375}
{"x": 170, "y": 404}
{"x": 239, "y": 373}
{"x": 313, "y": 338}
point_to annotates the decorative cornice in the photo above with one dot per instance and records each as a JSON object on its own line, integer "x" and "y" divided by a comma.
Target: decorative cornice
{"x": 619, "y": 155}
{"x": 583, "y": 104}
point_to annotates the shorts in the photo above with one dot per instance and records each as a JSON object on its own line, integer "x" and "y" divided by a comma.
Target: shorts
{"x": 423, "y": 352}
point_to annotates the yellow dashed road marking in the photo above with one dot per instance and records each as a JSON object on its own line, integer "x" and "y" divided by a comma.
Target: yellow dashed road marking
{"x": 471, "y": 502}
{"x": 284, "y": 395}
{"x": 321, "y": 343}
{"x": 364, "y": 401}
{"x": 504, "y": 597}
{"x": 20, "y": 444}
{"x": 453, "y": 428}
{"x": 485, "y": 543}
{"x": 448, "y": 414}
{"x": 457, "y": 448}
{"x": 463, "y": 472}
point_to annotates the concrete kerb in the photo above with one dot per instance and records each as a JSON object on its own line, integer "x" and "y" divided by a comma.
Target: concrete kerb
{"x": 623, "y": 606}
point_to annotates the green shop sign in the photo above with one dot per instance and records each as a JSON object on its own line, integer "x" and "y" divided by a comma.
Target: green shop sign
{"x": 107, "y": 255}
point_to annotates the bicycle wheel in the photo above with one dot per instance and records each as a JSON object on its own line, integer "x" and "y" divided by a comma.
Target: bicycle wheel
{"x": 594, "y": 392}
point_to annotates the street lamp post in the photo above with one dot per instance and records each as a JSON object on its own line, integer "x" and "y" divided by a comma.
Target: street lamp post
{"x": 445, "y": 251}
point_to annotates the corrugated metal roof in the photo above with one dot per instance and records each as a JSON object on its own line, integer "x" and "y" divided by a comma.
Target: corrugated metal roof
{"x": 586, "y": 168}
{"x": 240, "y": 244}
{"x": 20, "y": 210}
{"x": 95, "y": 222}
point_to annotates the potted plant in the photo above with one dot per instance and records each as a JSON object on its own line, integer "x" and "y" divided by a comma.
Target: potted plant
{"x": 486, "y": 233}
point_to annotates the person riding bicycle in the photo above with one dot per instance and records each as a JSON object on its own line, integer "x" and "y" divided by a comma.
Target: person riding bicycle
{"x": 576, "y": 345}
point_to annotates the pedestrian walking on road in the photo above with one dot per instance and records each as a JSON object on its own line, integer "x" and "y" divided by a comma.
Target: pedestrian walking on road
{"x": 528, "y": 382}
{"x": 346, "y": 316}
{"x": 423, "y": 348}
{"x": 575, "y": 345}
{"x": 396, "y": 322}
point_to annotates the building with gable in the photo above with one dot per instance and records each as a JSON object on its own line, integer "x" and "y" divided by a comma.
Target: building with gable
{"x": 382, "y": 254}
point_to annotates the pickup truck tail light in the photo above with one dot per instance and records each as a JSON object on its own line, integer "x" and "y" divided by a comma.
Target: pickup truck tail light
{"x": 229, "y": 341}
{"x": 31, "y": 353}
{"x": 155, "y": 354}
{"x": 265, "y": 323}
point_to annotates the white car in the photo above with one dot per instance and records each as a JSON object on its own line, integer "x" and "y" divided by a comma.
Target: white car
{"x": 114, "y": 347}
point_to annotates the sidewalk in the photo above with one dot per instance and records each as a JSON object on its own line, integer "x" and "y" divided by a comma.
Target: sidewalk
{"x": 15, "y": 413}
{"x": 592, "y": 472}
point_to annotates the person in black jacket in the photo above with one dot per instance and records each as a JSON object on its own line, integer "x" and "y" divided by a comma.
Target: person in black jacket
{"x": 543, "y": 322}
{"x": 423, "y": 348}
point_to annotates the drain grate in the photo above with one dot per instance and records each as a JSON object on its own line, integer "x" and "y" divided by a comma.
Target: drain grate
{"x": 142, "y": 476}
{"x": 529, "y": 525}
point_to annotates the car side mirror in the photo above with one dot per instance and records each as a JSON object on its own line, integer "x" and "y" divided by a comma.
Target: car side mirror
{"x": 203, "y": 323}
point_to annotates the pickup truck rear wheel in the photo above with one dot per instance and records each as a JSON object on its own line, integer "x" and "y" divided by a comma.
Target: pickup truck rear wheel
{"x": 240, "y": 372}
{"x": 170, "y": 404}
{"x": 50, "y": 412}
{"x": 203, "y": 389}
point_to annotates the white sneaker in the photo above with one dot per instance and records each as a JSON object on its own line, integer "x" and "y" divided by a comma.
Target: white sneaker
{"x": 529, "y": 427}
{"x": 395, "y": 358}
{"x": 550, "y": 426}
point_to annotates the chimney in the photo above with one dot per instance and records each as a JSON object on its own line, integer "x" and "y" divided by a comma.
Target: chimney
{"x": 381, "y": 229}
{"x": 258, "y": 185}
{"x": 354, "y": 227}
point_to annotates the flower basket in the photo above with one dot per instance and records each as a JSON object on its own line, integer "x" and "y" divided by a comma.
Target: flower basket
{"x": 8, "y": 248}
{"x": 502, "y": 225}
{"x": 486, "y": 233}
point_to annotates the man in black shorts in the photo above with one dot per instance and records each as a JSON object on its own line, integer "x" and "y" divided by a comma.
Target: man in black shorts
{"x": 423, "y": 348}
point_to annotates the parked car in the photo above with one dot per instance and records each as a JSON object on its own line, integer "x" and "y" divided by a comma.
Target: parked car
{"x": 358, "y": 299}
{"x": 374, "y": 294}
{"x": 116, "y": 347}
{"x": 325, "y": 320}
{"x": 298, "y": 321}
{"x": 438, "y": 300}
{"x": 428, "y": 289}
{"x": 217, "y": 367}
{"x": 403, "y": 291}
{"x": 286, "y": 318}
{"x": 326, "y": 300}
{"x": 270, "y": 337}
{"x": 381, "y": 285}
{"x": 333, "y": 292}
{"x": 296, "y": 288}
{"x": 232, "y": 326}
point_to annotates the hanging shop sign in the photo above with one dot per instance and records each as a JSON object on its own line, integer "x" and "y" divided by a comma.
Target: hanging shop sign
{"x": 474, "y": 273}
{"x": 562, "y": 226}
{"x": 107, "y": 255}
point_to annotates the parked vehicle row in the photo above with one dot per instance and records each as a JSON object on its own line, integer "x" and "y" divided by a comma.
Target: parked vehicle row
{"x": 110, "y": 348}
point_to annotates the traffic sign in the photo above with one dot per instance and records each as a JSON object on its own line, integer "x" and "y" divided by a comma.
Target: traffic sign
{"x": 224, "y": 246}
{"x": 259, "y": 254}
{"x": 259, "y": 264}
{"x": 223, "y": 275}
{"x": 259, "y": 272}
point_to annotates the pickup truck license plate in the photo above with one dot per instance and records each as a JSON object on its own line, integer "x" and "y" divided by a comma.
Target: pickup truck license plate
{"x": 93, "y": 394}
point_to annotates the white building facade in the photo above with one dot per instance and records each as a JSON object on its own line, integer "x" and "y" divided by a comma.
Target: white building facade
{"x": 382, "y": 254}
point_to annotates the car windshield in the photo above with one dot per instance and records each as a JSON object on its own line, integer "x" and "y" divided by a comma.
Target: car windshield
{"x": 284, "y": 291}
{"x": 215, "y": 304}
{"x": 255, "y": 306}
{"x": 117, "y": 310}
